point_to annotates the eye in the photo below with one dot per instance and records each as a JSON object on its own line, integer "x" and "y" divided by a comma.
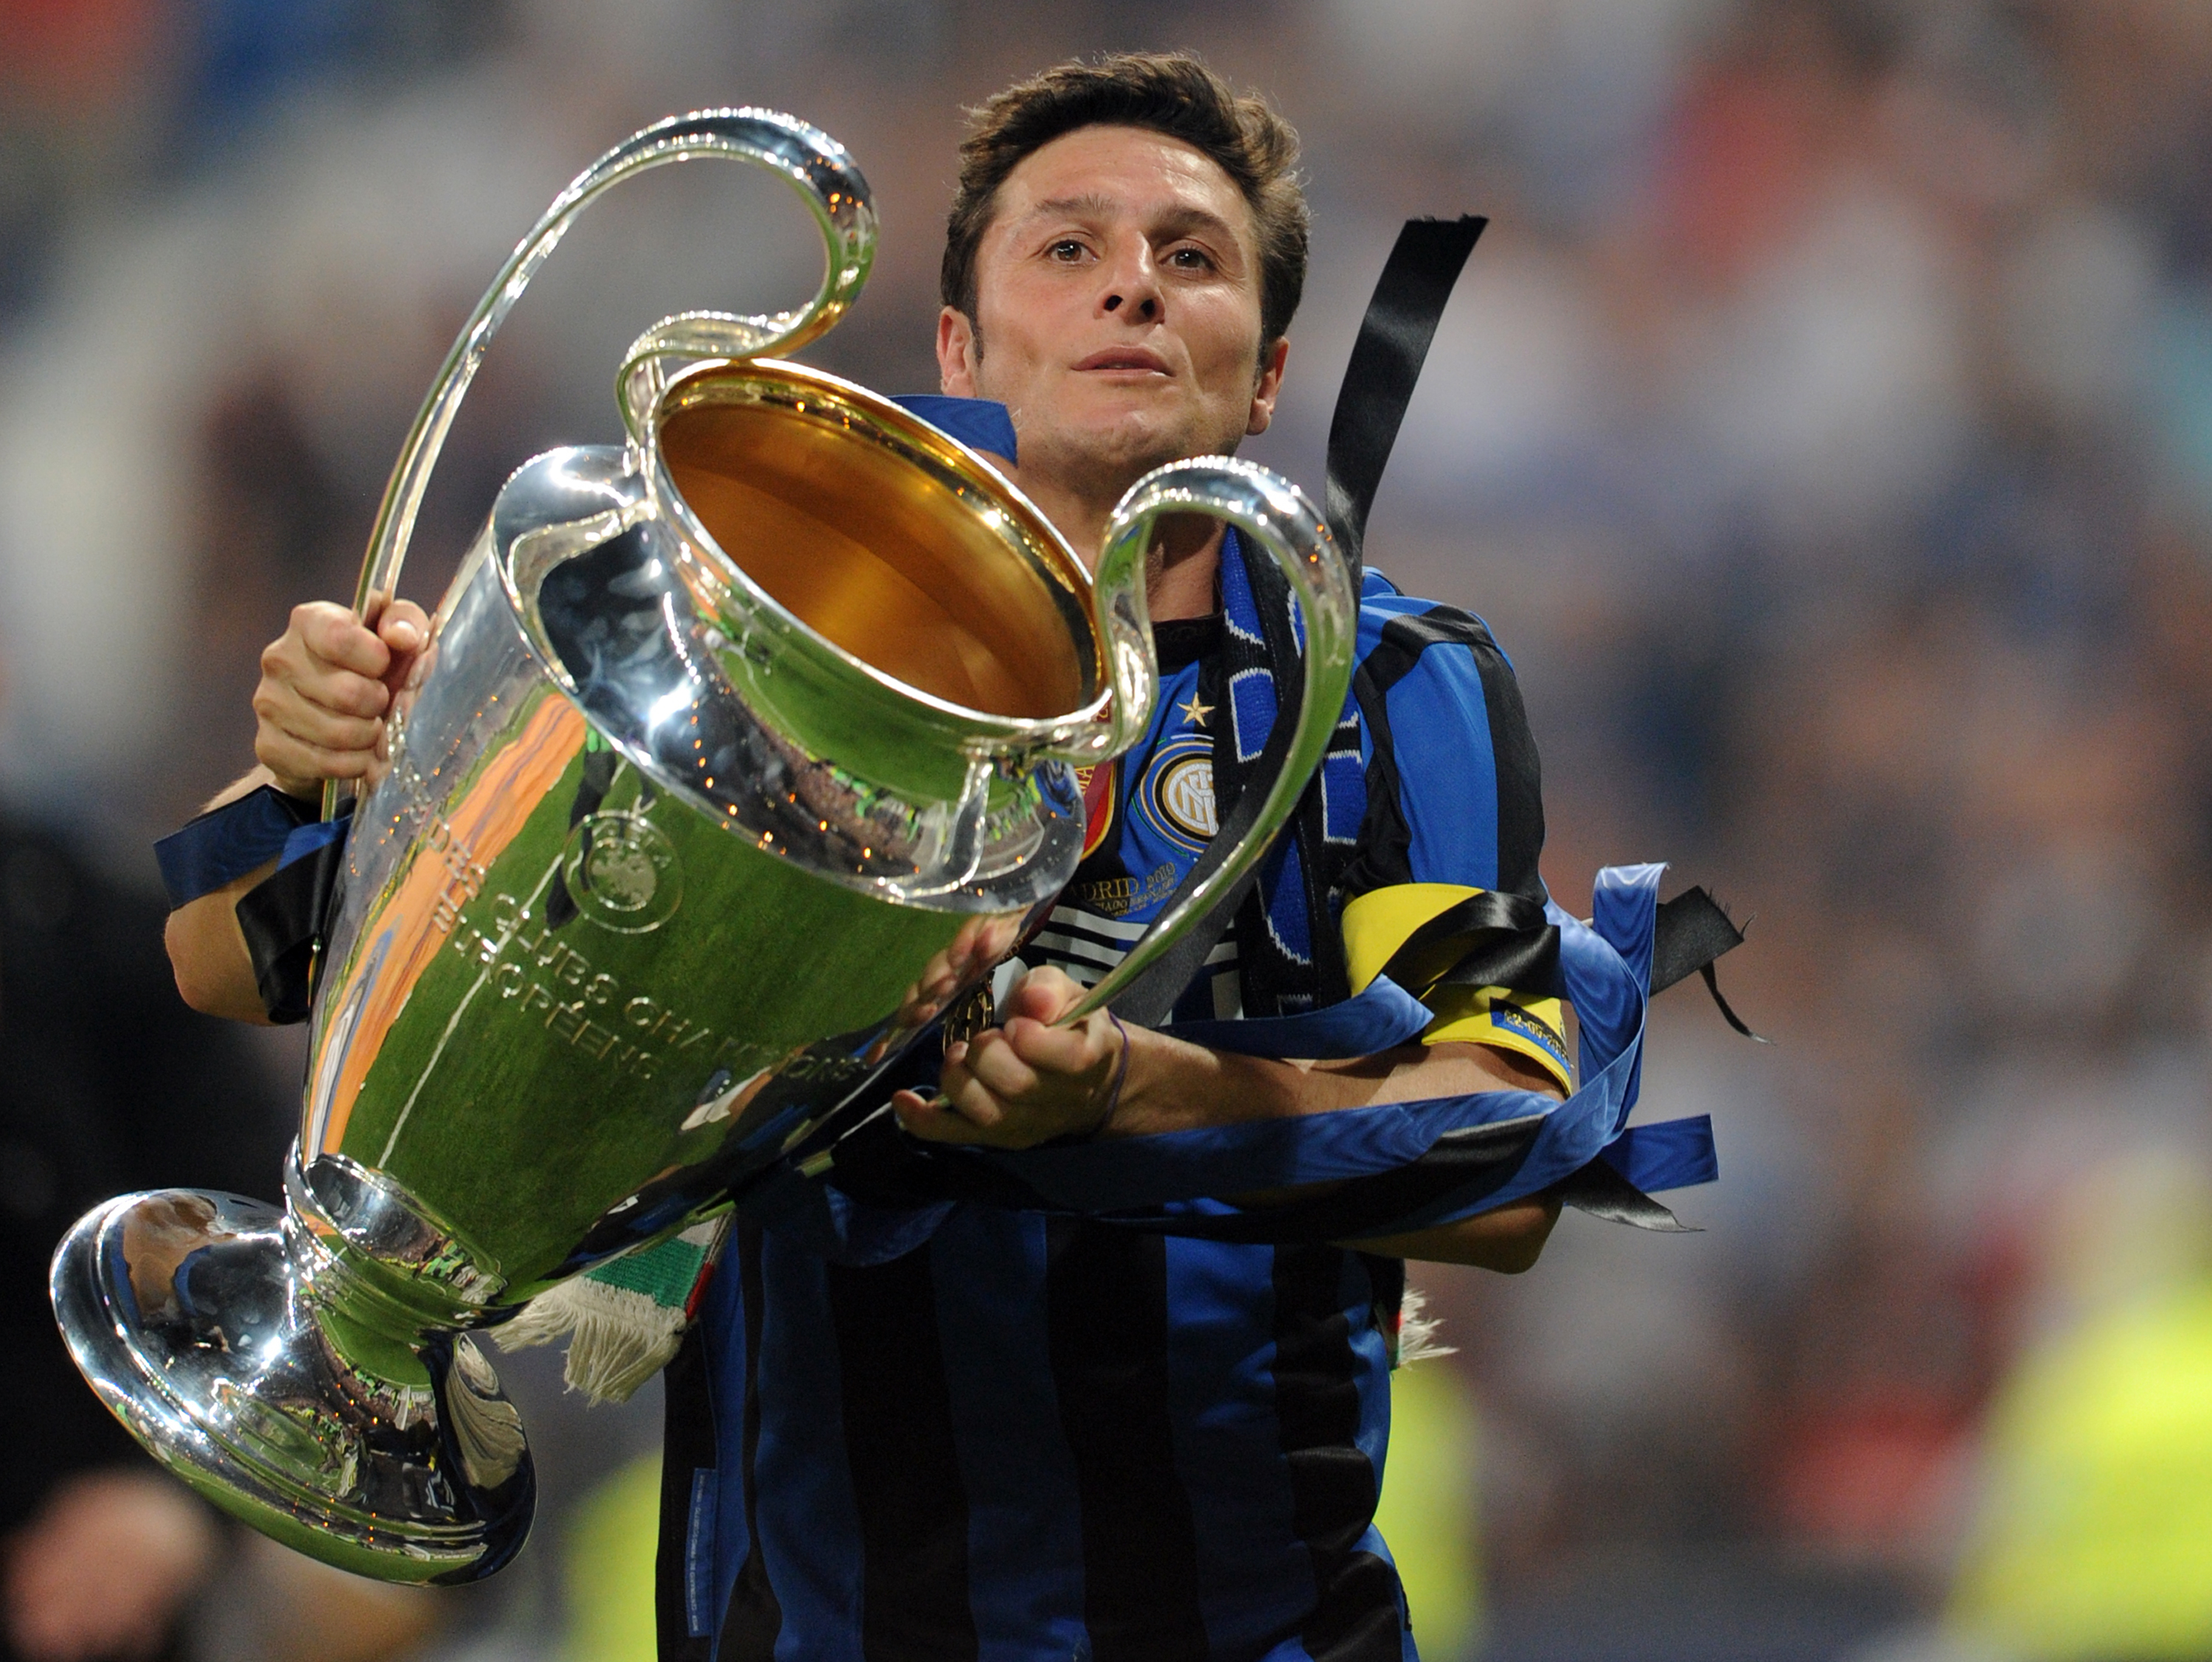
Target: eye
{"x": 1189, "y": 259}
{"x": 1067, "y": 250}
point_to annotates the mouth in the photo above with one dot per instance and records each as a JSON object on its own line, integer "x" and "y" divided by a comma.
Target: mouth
{"x": 1124, "y": 360}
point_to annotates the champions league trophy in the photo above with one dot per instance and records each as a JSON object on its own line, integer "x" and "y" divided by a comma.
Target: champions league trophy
{"x": 722, "y": 742}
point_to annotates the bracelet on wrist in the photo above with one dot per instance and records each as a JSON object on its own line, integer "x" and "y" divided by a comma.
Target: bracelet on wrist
{"x": 1120, "y": 1075}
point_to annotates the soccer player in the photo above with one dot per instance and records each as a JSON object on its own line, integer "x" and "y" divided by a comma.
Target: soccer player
{"x": 981, "y": 1431}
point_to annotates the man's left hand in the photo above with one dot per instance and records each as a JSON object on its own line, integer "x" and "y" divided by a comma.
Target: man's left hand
{"x": 1026, "y": 1082}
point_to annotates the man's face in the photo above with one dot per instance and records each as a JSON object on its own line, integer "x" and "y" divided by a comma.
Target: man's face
{"x": 1118, "y": 311}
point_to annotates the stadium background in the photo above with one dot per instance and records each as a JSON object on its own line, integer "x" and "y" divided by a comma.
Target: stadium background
{"x": 1824, "y": 425}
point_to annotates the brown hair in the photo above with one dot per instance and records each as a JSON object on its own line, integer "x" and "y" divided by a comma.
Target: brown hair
{"x": 1170, "y": 93}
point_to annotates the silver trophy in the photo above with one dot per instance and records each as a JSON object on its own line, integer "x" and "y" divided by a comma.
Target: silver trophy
{"x": 723, "y": 740}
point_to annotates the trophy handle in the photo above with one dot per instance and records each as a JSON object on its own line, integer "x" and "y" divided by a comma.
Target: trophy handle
{"x": 1276, "y": 515}
{"x": 815, "y": 165}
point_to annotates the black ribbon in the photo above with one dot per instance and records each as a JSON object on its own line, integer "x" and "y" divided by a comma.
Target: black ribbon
{"x": 1386, "y": 362}
{"x": 284, "y": 918}
{"x": 1691, "y": 933}
{"x": 1370, "y": 407}
{"x": 1488, "y": 939}
{"x": 1599, "y": 1189}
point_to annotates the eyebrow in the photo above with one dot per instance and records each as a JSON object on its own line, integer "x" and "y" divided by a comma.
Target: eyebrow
{"x": 1182, "y": 217}
{"x": 1089, "y": 202}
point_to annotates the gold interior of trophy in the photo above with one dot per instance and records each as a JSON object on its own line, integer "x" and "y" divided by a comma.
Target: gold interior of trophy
{"x": 876, "y": 551}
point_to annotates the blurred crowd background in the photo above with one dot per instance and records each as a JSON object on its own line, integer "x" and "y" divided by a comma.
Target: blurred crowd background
{"x": 1824, "y": 425}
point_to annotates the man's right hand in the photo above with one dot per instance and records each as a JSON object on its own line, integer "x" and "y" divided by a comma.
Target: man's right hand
{"x": 326, "y": 684}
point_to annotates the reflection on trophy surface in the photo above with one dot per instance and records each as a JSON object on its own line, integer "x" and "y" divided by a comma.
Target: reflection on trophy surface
{"x": 726, "y": 744}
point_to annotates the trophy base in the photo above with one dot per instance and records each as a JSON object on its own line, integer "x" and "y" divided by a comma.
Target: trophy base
{"x": 188, "y": 1314}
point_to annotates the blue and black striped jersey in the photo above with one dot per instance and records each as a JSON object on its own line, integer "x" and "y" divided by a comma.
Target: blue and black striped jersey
{"x": 988, "y": 1434}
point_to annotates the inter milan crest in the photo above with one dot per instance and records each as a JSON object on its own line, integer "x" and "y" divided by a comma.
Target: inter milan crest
{"x": 1176, "y": 796}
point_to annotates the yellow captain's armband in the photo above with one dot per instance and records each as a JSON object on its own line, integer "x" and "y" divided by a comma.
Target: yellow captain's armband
{"x": 1377, "y": 923}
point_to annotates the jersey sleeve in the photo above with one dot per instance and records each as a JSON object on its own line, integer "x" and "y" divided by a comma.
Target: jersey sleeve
{"x": 1454, "y": 810}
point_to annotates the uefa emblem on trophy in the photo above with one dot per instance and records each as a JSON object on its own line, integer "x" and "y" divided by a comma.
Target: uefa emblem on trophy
{"x": 721, "y": 737}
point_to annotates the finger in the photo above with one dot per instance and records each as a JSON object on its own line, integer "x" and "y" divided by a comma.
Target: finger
{"x": 965, "y": 962}
{"x": 963, "y": 939}
{"x": 342, "y": 691}
{"x": 406, "y": 632}
{"x": 404, "y": 627}
{"x": 932, "y": 1119}
{"x": 952, "y": 1076}
{"x": 338, "y": 638}
{"x": 313, "y": 725}
{"x": 289, "y": 667}
{"x": 289, "y": 758}
{"x": 970, "y": 1115}
{"x": 1043, "y": 994}
{"x": 1046, "y": 1050}
{"x": 992, "y": 1064}
{"x": 955, "y": 1082}
{"x": 983, "y": 1106}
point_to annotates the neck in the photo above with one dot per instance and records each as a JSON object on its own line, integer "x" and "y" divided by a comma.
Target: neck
{"x": 1078, "y": 515}
{"x": 1180, "y": 568}
{"x": 1183, "y": 570}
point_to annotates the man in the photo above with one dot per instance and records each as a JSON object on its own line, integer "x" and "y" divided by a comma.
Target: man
{"x": 984, "y": 1430}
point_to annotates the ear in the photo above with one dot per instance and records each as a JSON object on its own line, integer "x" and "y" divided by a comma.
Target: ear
{"x": 1269, "y": 384}
{"x": 956, "y": 367}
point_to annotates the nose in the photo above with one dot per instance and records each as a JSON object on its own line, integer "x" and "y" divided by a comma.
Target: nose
{"x": 1133, "y": 287}
{"x": 1146, "y": 306}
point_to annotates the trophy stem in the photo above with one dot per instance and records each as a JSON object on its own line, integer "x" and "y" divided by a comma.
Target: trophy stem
{"x": 378, "y": 1360}
{"x": 258, "y": 1367}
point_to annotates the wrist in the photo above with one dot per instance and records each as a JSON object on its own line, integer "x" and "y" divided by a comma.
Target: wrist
{"x": 1165, "y": 1076}
{"x": 1177, "y": 1085}
{"x": 1116, "y": 1081}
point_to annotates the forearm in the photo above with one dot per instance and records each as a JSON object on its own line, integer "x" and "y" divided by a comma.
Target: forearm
{"x": 207, "y": 952}
{"x": 245, "y": 785}
{"x": 1172, "y": 1086}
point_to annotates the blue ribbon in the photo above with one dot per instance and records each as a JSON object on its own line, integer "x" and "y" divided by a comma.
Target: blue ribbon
{"x": 1624, "y": 911}
{"x": 307, "y": 838}
{"x": 979, "y": 424}
{"x": 224, "y": 844}
{"x": 1675, "y": 1153}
